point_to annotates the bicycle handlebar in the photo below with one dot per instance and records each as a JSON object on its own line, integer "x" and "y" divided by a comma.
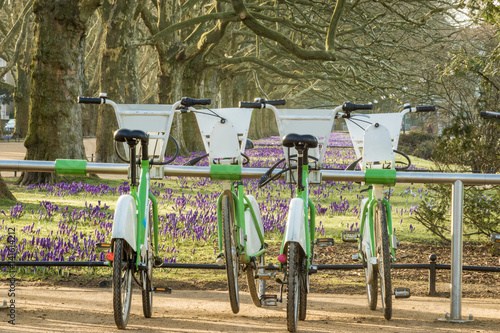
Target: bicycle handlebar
{"x": 349, "y": 107}
{"x": 91, "y": 100}
{"x": 260, "y": 103}
{"x": 490, "y": 115}
{"x": 188, "y": 101}
{"x": 427, "y": 108}
{"x": 185, "y": 101}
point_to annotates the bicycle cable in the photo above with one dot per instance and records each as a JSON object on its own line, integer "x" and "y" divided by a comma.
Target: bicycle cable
{"x": 211, "y": 113}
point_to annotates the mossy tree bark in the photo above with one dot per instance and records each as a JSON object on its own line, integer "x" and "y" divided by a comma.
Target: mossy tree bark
{"x": 119, "y": 78}
{"x": 55, "y": 127}
{"x": 5, "y": 193}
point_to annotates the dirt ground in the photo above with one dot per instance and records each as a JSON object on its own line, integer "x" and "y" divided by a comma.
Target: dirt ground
{"x": 66, "y": 309}
{"x": 334, "y": 305}
{"x": 337, "y": 302}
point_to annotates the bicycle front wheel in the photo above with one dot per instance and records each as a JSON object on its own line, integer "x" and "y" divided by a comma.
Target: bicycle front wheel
{"x": 371, "y": 276}
{"x": 294, "y": 288}
{"x": 122, "y": 282}
{"x": 230, "y": 252}
{"x": 147, "y": 277}
{"x": 384, "y": 258}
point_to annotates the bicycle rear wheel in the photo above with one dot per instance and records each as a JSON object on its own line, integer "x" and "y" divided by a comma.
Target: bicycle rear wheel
{"x": 256, "y": 288}
{"x": 303, "y": 286}
{"x": 384, "y": 258}
{"x": 122, "y": 282}
{"x": 230, "y": 252}
{"x": 293, "y": 284}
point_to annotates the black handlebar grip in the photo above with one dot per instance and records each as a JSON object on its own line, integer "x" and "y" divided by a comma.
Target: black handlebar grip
{"x": 251, "y": 105}
{"x": 188, "y": 101}
{"x": 348, "y": 106}
{"x": 91, "y": 100}
{"x": 490, "y": 115}
{"x": 425, "y": 108}
{"x": 276, "y": 102}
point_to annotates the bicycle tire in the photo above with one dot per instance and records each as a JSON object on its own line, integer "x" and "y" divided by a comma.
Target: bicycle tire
{"x": 255, "y": 291}
{"x": 122, "y": 283}
{"x": 147, "y": 276}
{"x": 371, "y": 286}
{"x": 384, "y": 258}
{"x": 293, "y": 284}
{"x": 303, "y": 286}
{"x": 230, "y": 252}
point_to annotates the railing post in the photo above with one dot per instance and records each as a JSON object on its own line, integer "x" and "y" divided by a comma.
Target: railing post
{"x": 457, "y": 203}
{"x": 432, "y": 275}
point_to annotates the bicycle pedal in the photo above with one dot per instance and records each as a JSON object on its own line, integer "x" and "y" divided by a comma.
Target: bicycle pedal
{"x": 269, "y": 300}
{"x": 158, "y": 262}
{"x": 266, "y": 276}
{"x": 164, "y": 290}
{"x": 220, "y": 260}
{"x": 279, "y": 281}
{"x": 324, "y": 242}
{"x": 402, "y": 292}
{"x": 103, "y": 246}
{"x": 350, "y": 236}
{"x": 355, "y": 257}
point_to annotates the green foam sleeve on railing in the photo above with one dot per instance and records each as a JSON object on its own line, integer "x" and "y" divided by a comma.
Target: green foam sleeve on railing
{"x": 71, "y": 167}
{"x": 380, "y": 176}
{"x": 225, "y": 172}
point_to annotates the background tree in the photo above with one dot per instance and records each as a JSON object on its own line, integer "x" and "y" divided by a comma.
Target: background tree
{"x": 471, "y": 84}
{"x": 55, "y": 129}
{"x": 118, "y": 69}
{"x": 15, "y": 28}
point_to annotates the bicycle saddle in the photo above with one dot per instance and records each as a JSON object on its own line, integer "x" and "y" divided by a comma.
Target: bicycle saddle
{"x": 126, "y": 135}
{"x": 300, "y": 141}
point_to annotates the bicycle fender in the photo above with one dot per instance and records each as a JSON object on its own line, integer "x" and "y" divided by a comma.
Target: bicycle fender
{"x": 125, "y": 221}
{"x": 295, "y": 229}
{"x": 253, "y": 241}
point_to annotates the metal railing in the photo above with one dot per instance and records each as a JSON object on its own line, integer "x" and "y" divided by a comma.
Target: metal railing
{"x": 457, "y": 180}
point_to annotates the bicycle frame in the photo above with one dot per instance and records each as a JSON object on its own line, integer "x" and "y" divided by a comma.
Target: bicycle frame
{"x": 317, "y": 122}
{"x": 130, "y": 238}
{"x": 375, "y": 145}
{"x": 368, "y": 210}
{"x": 131, "y": 221}
{"x": 241, "y": 204}
{"x": 123, "y": 226}
{"x": 297, "y": 230}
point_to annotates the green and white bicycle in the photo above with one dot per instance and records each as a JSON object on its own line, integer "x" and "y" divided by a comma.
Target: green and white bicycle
{"x": 240, "y": 228}
{"x": 375, "y": 138}
{"x": 134, "y": 237}
{"x": 305, "y": 134}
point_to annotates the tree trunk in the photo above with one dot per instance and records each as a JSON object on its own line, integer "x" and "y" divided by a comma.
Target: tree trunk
{"x": 119, "y": 77}
{"x": 5, "y": 193}
{"x": 169, "y": 91}
{"x": 22, "y": 91}
{"x": 192, "y": 86}
{"x": 55, "y": 127}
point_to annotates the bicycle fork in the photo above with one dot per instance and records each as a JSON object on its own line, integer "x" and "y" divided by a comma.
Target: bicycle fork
{"x": 241, "y": 204}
